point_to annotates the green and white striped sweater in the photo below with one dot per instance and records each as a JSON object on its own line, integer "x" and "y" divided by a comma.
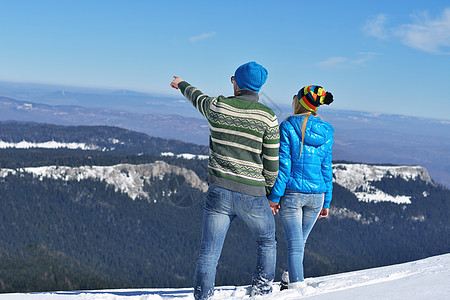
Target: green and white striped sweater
{"x": 244, "y": 140}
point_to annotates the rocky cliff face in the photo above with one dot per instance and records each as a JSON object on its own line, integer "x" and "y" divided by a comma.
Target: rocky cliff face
{"x": 358, "y": 179}
{"x": 127, "y": 178}
{"x": 130, "y": 179}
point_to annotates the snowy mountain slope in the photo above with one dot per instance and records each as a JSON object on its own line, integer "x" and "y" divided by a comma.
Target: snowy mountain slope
{"x": 127, "y": 178}
{"x": 130, "y": 179}
{"x": 423, "y": 279}
{"x": 358, "y": 178}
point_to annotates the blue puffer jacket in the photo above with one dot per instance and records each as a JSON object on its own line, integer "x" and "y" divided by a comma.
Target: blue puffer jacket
{"x": 312, "y": 173}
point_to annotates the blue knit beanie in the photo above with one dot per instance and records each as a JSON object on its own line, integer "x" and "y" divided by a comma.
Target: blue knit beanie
{"x": 250, "y": 76}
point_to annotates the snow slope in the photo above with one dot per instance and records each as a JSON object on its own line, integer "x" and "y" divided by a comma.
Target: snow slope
{"x": 126, "y": 178}
{"x": 424, "y": 279}
{"x": 357, "y": 178}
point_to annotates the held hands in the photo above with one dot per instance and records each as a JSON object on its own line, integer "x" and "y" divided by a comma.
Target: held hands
{"x": 175, "y": 82}
{"x": 274, "y": 207}
{"x": 324, "y": 213}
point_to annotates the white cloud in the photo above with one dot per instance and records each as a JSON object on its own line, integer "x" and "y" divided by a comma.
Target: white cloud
{"x": 342, "y": 62}
{"x": 375, "y": 26}
{"x": 427, "y": 34}
{"x": 364, "y": 57}
{"x": 332, "y": 62}
{"x": 424, "y": 33}
{"x": 202, "y": 36}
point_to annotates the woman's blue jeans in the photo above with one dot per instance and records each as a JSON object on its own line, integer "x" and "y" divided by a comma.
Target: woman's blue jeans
{"x": 220, "y": 209}
{"x": 298, "y": 213}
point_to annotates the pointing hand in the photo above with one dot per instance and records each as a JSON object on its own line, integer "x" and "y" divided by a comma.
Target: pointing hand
{"x": 175, "y": 82}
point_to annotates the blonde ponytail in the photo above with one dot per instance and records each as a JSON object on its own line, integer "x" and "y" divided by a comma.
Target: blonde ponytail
{"x": 300, "y": 110}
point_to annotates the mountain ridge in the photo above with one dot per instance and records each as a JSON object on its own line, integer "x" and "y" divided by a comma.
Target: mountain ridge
{"x": 130, "y": 178}
{"x": 359, "y": 136}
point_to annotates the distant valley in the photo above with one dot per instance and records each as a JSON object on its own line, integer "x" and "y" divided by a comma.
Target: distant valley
{"x": 359, "y": 136}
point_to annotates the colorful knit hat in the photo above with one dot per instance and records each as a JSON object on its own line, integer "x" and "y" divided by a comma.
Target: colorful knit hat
{"x": 250, "y": 76}
{"x": 312, "y": 96}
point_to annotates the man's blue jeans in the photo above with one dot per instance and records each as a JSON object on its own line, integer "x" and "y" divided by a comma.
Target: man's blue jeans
{"x": 220, "y": 209}
{"x": 298, "y": 213}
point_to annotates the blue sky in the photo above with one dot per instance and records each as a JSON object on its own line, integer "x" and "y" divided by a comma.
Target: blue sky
{"x": 375, "y": 56}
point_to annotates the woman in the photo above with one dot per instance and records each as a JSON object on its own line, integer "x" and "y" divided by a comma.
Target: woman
{"x": 302, "y": 191}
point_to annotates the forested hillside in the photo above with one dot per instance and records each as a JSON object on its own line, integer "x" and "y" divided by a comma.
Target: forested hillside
{"x": 60, "y": 234}
{"x": 103, "y": 138}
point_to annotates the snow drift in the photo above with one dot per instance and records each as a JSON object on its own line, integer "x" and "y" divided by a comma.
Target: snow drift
{"x": 423, "y": 279}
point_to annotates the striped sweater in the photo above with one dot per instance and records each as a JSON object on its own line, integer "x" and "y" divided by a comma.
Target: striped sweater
{"x": 244, "y": 140}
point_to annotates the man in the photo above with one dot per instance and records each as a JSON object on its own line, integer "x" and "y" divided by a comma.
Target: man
{"x": 242, "y": 168}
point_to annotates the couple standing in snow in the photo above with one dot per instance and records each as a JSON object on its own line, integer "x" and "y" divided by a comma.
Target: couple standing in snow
{"x": 256, "y": 169}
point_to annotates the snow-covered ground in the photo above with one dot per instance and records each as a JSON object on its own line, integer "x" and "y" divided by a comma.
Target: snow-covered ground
{"x": 424, "y": 279}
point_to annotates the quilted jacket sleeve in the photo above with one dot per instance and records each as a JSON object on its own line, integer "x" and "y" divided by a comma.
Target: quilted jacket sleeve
{"x": 284, "y": 164}
{"x": 327, "y": 172}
